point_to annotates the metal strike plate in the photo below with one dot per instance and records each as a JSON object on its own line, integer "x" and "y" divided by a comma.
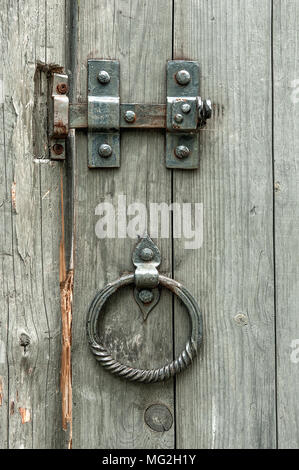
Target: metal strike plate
{"x": 182, "y": 139}
{"x": 103, "y": 112}
{"x": 59, "y": 116}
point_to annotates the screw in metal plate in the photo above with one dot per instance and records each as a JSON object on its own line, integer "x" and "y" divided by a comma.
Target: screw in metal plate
{"x": 130, "y": 116}
{"x": 62, "y": 88}
{"x": 147, "y": 254}
{"x": 105, "y": 151}
{"x": 58, "y": 149}
{"x": 182, "y": 151}
{"x": 178, "y": 118}
{"x": 146, "y": 296}
{"x": 186, "y": 108}
{"x": 183, "y": 77}
{"x": 104, "y": 77}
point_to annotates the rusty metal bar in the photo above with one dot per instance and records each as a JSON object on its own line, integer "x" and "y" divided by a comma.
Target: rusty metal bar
{"x": 147, "y": 116}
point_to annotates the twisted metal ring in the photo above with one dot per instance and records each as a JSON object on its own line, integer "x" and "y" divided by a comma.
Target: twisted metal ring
{"x": 103, "y": 356}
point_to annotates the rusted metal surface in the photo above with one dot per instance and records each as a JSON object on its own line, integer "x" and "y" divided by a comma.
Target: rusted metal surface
{"x": 58, "y": 124}
{"x": 60, "y": 116}
{"x": 62, "y": 88}
{"x": 148, "y": 116}
{"x": 58, "y": 149}
{"x": 103, "y": 355}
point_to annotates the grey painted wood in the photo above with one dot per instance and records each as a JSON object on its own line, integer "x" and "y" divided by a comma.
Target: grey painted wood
{"x": 228, "y": 399}
{"x": 30, "y": 231}
{"x": 108, "y": 412}
{"x": 286, "y": 146}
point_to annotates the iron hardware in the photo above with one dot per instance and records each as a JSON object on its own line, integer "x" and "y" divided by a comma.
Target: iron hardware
{"x": 183, "y": 115}
{"x": 147, "y": 281}
{"x": 59, "y": 116}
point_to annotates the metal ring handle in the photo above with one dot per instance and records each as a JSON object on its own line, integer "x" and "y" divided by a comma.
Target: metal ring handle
{"x": 103, "y": 356}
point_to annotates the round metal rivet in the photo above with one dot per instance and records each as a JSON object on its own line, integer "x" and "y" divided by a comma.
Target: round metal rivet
{"x": 104, "y": 77}
{"x": 146, "y": 296}
{"x": 182, "y": 151}
{"x": 183, "y": 77}
{"x": 130, "y": 116}
{"x": 105, "y": 151}
{"x": 186, "y": 108}
{"x": 178, "y": 118}
{"x": 147, "y": 254}
{"x": 159, "y": 418}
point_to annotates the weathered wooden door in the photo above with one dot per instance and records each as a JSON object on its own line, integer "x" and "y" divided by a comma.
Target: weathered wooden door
{"x": 241, "y": 390}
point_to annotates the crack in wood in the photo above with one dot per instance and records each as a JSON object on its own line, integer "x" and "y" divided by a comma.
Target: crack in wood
{"x": 66, "y": 300}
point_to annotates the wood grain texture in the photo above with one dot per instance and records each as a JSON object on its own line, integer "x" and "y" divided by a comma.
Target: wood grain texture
{"x": 30, "y": 229}
{"x": 108, "y": 412}
{"x": 227, "y": 400}
{"x": 286, "y": 147}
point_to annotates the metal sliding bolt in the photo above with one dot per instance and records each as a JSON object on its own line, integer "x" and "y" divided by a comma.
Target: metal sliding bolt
{"x": 104, "y": 77}
{"x": 182, "y": 151}
{"x": 130, "y": 116}
{"x": 105, "y": 151}
{"x": 146, "y": 296}
{"x": 183, "y": 77}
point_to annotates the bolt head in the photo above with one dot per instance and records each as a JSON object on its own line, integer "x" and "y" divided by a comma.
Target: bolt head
{"x": 62, "y": 88}
{"x": 183, "y": 77}
{"x": 58, "y": 149}
{"x": 186, "y": 108}
{"x": 104, "y": 77}
{"x": 178, "y": 118}
{"x": 146, "y": 296}
{"x": 147, "y": 254}
{"x": 182, "y": 151}
{"x": 130, "y": 116}
{"x": 105, "y": 151}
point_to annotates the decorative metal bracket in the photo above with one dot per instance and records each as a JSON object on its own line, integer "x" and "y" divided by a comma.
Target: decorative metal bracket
{"x": 183, "y": 115}
{"x": 147, "y": 280}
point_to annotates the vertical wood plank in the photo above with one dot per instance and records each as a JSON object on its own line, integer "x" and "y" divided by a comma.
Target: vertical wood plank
{"x": 227, "y": 400}
{"x": 286, "y": 147}
{"x": 31, "y": 231}
{"x": 108, "y": 412}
